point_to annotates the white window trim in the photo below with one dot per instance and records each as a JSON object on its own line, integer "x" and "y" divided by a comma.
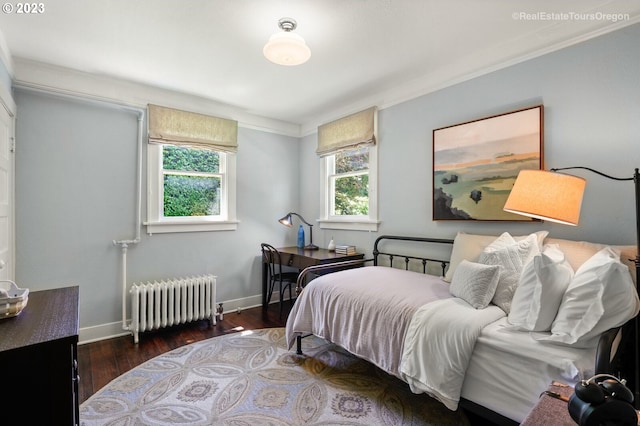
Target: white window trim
{"x": 351, "y": 223}
{"x": 157, "y": 224}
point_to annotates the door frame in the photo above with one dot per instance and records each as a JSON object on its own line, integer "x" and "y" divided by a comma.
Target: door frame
{"x": 8, "y": 105}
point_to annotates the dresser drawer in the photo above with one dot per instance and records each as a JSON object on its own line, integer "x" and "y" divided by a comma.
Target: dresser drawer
{"x": 297, "y": 261}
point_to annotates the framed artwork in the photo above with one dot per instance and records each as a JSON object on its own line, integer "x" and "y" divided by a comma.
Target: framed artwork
{"x": 476, "y": 163}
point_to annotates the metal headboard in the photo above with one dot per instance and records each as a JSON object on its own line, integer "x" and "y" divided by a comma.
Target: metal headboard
{"x": 407, "y": 258}
{"x": 376, "y": 254}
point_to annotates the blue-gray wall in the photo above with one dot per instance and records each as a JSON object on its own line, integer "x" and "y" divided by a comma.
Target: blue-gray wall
{"x": 75, "y": 194}
{"x": 591, "y": 97}
{"x": 75, "y": 176}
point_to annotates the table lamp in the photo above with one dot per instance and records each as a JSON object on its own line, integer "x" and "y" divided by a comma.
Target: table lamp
{"x": 287, "y": 221}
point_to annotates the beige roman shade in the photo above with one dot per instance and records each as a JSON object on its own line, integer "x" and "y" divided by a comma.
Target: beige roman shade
{"x": 349, "y": 132}
{"x": 172, "y": 126}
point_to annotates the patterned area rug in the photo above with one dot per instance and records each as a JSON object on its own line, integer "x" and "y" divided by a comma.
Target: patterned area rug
{"x": 251, "y": 378}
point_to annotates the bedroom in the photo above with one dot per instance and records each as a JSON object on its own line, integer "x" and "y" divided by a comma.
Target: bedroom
{"x": 73, "y": 199}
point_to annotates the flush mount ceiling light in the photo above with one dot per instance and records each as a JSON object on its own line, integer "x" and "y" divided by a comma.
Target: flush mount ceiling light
{"x": 287, "y": 48}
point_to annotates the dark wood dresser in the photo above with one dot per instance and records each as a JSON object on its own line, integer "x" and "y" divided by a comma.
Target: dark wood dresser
{"x": 38, "y": 357}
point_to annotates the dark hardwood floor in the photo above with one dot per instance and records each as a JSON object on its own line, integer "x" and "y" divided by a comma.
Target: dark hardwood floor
{"x": 100, "y": 362}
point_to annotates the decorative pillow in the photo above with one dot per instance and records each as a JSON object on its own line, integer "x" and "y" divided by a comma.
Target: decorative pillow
{"x": 578, "y": 252}
{"x": 470, "y": 246}
{"x": 475, "y": 283}
{"x": 600, "y": 296}
{"x": 511, "y": 256}
{"x": 539, "y": 293}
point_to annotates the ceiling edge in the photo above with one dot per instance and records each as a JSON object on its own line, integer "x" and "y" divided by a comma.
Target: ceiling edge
{"x": 68, "y": 82}
{"x": 426, "y": 84}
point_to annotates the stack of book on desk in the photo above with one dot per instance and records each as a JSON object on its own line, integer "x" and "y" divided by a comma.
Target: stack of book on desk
{"x": 342, "y": 249}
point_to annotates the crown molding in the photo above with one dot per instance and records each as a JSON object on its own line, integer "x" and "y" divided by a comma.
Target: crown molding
{"x": 68, "y": 82}
{"x": 51, "y": 78}
{"x": 452, "y": 75}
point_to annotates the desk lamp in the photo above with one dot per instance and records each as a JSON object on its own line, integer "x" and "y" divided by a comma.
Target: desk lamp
{"x": 287, "y": 221}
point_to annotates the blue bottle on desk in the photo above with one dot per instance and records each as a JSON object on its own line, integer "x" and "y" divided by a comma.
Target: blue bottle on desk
{"x": 300, "y": 237}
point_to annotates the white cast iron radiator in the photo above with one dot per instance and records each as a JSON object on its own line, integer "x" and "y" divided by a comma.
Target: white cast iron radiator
{"x": 170, "y": 302}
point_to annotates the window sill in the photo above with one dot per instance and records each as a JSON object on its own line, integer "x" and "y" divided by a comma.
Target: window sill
{"x": 165, "y": 227}
{"x": 350, "y": 225}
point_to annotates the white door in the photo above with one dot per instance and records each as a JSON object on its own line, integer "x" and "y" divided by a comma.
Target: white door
{"x": 7, "y": 246}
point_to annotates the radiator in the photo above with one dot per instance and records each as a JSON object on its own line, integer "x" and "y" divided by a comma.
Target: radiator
{"x": 170, "y": 302}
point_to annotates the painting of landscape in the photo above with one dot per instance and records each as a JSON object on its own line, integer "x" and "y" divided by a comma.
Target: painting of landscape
{"x": 476, "y": 163}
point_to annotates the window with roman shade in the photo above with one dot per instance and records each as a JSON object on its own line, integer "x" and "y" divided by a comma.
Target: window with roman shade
{"x": 348, "y": 154}
{"x": 355, "y": 130}
{"x": 175, "y": 127}
{"x": 191, "y": 171}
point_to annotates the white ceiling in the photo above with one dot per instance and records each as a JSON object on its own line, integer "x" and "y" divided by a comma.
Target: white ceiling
{"x": 364, "y": 52}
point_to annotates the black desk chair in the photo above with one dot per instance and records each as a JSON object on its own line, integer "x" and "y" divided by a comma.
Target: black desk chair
{"x": 271, "y": 258}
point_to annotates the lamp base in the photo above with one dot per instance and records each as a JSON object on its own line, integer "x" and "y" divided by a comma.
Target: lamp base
{"x": 311, "y": 247}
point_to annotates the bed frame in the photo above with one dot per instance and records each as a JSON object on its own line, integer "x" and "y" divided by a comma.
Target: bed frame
{"x": 607, "y": 356}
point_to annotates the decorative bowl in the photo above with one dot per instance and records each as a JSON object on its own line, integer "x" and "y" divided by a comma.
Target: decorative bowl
{"x": 14, "y": 301}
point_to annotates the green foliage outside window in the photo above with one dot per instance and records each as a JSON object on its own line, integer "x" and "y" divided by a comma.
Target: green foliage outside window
{"x": 190, "y": 159}
{"x": 352, "y": 195}
{"x": 352, "y": 191}
{"x": 190, "y": 194}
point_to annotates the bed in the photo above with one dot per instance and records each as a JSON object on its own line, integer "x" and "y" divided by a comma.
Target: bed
{"x": 417, "y": 316}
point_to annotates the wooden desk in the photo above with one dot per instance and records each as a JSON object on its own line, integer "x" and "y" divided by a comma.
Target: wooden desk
{"x": 39, "y": 356}
{"x": 300, "y": 258}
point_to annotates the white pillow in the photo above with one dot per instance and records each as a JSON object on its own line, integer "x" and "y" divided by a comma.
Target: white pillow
{"x": 539, "y": 293}
{"x": 578, "y": 252}
{"x": 600, "y": 296}
{"x": 475, "y": 283}
{"x": 469, "y": 246}
{"x": 511, "y": 256}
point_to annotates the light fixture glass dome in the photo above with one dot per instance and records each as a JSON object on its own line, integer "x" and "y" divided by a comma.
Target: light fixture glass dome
{"x": 287, "y": 48}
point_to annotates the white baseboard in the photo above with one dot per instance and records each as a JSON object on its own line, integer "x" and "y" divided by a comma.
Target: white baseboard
{"x": 114, "y": 329}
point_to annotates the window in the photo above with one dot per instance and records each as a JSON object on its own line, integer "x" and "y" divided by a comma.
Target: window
{"x": 349, "y": 172}
{"x": 192, "y": 181}
{"x": 191, "y": 184}
{"x": 349, "y": 189}
{"x": 349, "y": 183}
{"x": 190, "y": 189}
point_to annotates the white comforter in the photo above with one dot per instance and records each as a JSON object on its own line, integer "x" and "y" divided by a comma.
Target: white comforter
{"x": 406, "y": 323}
{"x": 438, "y": 346}
{"x": 364, "y": 310}
{"x": 381, "y": 314}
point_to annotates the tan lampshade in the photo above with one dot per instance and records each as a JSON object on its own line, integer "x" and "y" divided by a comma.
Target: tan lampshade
{"x": 556, "y": 197}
